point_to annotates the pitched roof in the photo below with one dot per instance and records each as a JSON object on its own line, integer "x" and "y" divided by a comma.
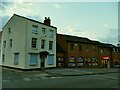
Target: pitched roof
{"x": 31, "y": 20}
{"x": 71, "y": 38}
{"x": 34, "y": 21}
{"x": 0, "y": 36}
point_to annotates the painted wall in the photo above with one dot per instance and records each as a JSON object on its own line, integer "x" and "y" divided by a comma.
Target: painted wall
{"x": 39, "y": 36}
{"x": 21, "y": 35}
{"x": 17, "y": 34}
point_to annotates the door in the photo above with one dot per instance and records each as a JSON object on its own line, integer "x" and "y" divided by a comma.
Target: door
{"x": 42, "y": 62}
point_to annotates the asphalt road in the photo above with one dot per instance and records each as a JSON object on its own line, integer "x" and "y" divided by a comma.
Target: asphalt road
{"x": 12, "y": 80}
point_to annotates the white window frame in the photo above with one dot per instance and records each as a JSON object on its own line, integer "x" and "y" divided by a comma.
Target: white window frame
{"x": 32, "y": 59}
{"x": 51, "y": 33}
{"x": 42, "y": 44}
{"x": 50, "y": 45}
{"x": 34, "y": 29}
{"x": 16, "y": 58}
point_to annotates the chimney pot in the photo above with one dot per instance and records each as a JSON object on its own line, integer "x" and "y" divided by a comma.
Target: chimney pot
{"x": 47, "y": 21}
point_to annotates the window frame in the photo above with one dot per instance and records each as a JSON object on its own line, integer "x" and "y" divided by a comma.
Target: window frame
{"x": 34, "y": 29}
{"x": 72, "y": 47}
{"x": 42, "y": 44}
{"x": 50, "y": 45}
{"x": 4, "y": 44}
{"x": 34, "y": 43}
{"x": 11, "y": 41}
{"x": 51, "y": 33}
{"x": 16, "y": 61}
{"x": 43, "y": 30}
{"x": 31, "y": 63}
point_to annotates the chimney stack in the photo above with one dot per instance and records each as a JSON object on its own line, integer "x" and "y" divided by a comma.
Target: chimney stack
{"x": 47, "y": 21}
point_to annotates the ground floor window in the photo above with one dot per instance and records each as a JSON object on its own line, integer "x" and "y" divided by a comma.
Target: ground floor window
{"x": 3, "y": 57}
{"x": 80, "y": 61}
{"x": 16, "y": 58}
{"x": 50, "y": 59}
{"x": 71, "y": 61}
{"x": 60, "y": 61}
{"x": 33, "y": 59}
{"x": 94, "y": 61}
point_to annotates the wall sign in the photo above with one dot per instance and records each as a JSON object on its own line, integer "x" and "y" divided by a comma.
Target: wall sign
{"x": 106, "y": 57}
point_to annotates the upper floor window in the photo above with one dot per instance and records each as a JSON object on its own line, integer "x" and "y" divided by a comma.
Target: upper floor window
{"x": 9, "y": 30}
{"x": 101, "y": 50}
{"x": 42, "y": 44}
{"x": 71, "y": 47}
{"x": 3, "y": 57}
{"x": 50, "y": 45}
{"x": 80, "y": 47}
{"x": 4, "y": 44}
{"x": 34, "y": 42}
{"x": 10, "y": 42}
{"x": 51, "y": 33}
{"x": 43, "y": 30}
{"x": 113, "y": 49}
{"x": 107, "y": 50}
{"x": 34, "y": 29}
{"x": 87, "y": 49}
{"x": 93, "y": 48}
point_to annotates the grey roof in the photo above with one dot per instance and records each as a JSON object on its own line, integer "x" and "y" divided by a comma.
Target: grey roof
{"x": 71, "y": 38}
{"x": 30, "y": 20}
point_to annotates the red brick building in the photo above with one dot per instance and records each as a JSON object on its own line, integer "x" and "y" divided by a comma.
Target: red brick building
{"x": 83, "y": 52}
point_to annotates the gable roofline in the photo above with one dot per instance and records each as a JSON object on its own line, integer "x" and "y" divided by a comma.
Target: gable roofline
{"x": 0, "y": 36}
{"x": 7, "y": 22}
{"x": 29, "y": 20}
{"x": 71, "y": 38}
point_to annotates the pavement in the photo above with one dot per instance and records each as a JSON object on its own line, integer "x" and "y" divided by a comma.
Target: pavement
{"x": 80, "y": 71}
{"x": 62, "y": 72}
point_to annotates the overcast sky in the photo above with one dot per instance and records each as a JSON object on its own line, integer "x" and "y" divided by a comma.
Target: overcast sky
{"x": 94, "y": 20}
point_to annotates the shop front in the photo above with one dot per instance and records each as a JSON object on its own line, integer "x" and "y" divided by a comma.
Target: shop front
{"x": 60, "y": 62}
{"x": 71, "y": 61}
{"x": 91, "y": 62}
{"x": 80, "y": 62}
{"x": 106, "y": 61}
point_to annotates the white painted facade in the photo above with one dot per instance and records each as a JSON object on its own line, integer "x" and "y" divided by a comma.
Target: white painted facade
{"x": 24, "y": 52}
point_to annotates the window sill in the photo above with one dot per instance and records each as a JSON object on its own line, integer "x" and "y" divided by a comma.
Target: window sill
{"x": 34, "y": 48}
{"x": 33, "y": 64}
{"x": 35, "y": 33}
{"x": 50, "y": 64}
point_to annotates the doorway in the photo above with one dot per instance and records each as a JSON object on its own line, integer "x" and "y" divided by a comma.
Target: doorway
{"x": 42, "y": 62}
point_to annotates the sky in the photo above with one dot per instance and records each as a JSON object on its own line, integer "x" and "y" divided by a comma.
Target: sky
{"x": 94, "y": 19}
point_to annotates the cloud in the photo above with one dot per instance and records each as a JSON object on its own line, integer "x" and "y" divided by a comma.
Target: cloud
{"x": 105, "y": 25}
{"x": 19, "y": 7}
{"x": 73, "y": 30}
{"x": 112, "y": 37}
{"x": 3, "y": 21}
{"x": 57, "y": 5}
{"x": 35, "y": 17}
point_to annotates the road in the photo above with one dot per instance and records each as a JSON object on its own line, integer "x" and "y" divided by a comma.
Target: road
{"x": 11, "y": 80}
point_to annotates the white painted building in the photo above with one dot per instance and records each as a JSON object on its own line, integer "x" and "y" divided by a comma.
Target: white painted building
{"x": 22, "y": 41}
{"x": 0, "y": 47}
